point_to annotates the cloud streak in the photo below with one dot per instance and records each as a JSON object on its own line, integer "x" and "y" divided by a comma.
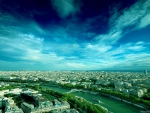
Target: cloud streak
{"x": 133, "y": 18}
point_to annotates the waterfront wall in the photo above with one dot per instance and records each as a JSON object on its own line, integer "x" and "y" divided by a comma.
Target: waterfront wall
{"x": 120, "y": 99}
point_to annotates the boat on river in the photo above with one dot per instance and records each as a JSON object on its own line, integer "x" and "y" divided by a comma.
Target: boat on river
{"x": 97, "y": 100}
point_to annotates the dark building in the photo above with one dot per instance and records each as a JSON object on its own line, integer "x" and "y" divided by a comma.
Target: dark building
{"x": 145, "y": 71}
{"x": 35, "y": 100}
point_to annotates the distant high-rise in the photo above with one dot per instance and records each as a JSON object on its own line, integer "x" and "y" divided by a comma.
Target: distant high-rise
{"x": 145, "y": 71}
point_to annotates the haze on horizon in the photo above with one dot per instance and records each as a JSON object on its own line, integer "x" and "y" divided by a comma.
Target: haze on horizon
{"x": 74, "y": 35}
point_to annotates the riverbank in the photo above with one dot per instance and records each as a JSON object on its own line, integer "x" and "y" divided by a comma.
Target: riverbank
{"x": 102, "y": 94}
{"x": 110, "y": 96}
{"x": 111, "y": 104}
{"x": 120, "y": 99}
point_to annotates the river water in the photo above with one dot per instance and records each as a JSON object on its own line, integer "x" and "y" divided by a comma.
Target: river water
{"x": 112, "y": 105}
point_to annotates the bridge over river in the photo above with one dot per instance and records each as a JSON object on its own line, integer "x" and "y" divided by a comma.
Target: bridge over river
{"x": 74, "y": 90}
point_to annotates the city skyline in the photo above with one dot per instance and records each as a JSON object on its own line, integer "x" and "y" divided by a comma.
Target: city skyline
{"x": 74, "y": 35}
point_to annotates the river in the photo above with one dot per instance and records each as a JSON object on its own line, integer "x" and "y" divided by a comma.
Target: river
{"x": 112, "y": 105}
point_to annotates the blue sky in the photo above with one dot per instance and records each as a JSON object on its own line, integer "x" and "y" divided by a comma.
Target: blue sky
{"x": 74, "y": 35}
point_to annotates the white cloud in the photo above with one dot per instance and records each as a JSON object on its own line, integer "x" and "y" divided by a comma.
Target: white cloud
{"x": 130, "y": 48}
{"x": 37, "y": 56}
{"x": 27, "y": 48}
{"x": 107, "y": 51}
{"x": 140, "y": 43}
{"x": 133, "y": 61}
{"x": 145, "y": 21}
{"x": 10, "y": 26}
{"x": 132, "y": 16}
{"x": 98, "y": 48}
{"x": 130, "y": 55}
{"x": 139, "y": 46}
{"x": 6, "y": 17}
{"x": 137, "y": 16}
{"x": 76, "y": 65}
{"x": 65, "y": 7}
{"x": 109, "y": 38}
{"x": 136, "y": 48}
{"x": 97, "y": 56}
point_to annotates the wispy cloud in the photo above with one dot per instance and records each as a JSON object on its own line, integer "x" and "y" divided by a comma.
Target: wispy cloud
{"x": 26, "y": 48}
{"x": 126, "y": 56}
{"x": 133, "y": 18}
{"x": 76, "y": 65}
{"x": 98, "y": 48}
{"x": 135, "y": 15}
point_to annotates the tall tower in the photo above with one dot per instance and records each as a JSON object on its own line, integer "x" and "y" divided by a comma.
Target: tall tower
{"x": 145, "y": 71}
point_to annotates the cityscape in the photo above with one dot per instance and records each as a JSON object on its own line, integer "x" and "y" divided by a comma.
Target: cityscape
{"x": 130, "y": 84}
